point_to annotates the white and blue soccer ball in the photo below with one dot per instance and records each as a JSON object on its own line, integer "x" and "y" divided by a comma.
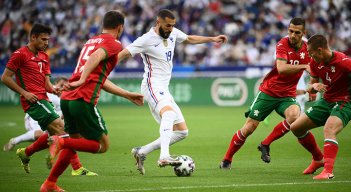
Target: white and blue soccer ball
{"x": 186, "y": 168}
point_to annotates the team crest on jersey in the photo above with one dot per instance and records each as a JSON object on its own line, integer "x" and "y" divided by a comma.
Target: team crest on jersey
{"x": 302, "y": 55}
{"x": 332, "y": 68}
{"x": 171, "y": 38}
{"x": 165, "y": 43}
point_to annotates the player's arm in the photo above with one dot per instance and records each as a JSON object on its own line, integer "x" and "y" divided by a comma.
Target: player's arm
{"x": 196, "y": 39}
{"x": 94, "y": 59}
{"x": 7, "y": 79}
{"x": 286, "y": 69}
{"x": 123, "y": 55}
{"x": 48, "y": 86}
{"x": 315, "y": 86}
{"x": 112, "y": 88}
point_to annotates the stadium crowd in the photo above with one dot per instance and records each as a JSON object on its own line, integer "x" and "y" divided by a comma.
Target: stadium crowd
{"x": 253, "y": 26}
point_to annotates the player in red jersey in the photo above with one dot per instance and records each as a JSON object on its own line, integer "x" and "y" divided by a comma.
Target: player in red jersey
{"x": 277, "y": 92}
{"x": 31, "y": 66}
{"x": 83, "y": 120}
{"x": 333, "y": 110}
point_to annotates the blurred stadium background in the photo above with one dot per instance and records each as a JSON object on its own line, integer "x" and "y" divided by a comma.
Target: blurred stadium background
{"x": 253, "y": 28}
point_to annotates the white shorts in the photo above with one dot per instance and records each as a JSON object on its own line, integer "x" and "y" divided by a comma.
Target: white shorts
{"x": 30, "y": 124}
{"x": 159, "y": 97}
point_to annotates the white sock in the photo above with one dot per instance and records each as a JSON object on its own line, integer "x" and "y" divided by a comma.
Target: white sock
{"x": 301, "y": 99}
{"x": 166, "y": 127}
{"x": 176, "y": 136}
{"x": 28, "y": 136}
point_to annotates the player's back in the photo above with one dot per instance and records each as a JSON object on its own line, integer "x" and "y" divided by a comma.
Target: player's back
{"x": 90, "y": 90}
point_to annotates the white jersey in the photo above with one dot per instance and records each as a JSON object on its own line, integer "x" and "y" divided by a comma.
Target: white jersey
{"x": 304, "y": 79}
{"x": 157, "y": 54}
{"x": 56, "y": 101}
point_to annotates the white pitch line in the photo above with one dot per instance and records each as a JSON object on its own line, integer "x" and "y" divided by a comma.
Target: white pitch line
{"x": 223, "y": 186}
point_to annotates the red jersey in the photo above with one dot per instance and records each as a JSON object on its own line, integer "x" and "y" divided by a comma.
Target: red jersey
{"x": 280, "y": 85}
{"x": 30, "y": 71}
{"x": 90, "y": 90}
{"x": 336, "y": 74}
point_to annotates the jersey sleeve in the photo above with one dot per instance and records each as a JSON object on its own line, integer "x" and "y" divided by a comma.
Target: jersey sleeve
{"x": 47, "y": 66}
{"x": 111, "y": 47}
{"x": 346, "y": 62}
{"x": 281, "y": 51}
{"x": 137, "y": 46}
{"x": 181, "y": 36}
{"x": 313, "y": 66}
{"x": 15, "y": 61}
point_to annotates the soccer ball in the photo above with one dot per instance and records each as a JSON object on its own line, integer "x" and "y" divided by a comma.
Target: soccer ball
{"x": 186, "y": 168}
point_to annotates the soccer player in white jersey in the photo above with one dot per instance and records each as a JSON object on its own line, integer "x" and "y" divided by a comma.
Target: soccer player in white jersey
{"x": 32, "y": 127}
{"x": 301, "y": 93}
{"x": 157, "y": 50}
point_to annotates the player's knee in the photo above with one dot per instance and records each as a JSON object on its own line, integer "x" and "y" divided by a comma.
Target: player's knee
{"x": 103, "y": 148}
{"x": 297, "y": 131}
{"x": 170, "y": 114}
{"x": 291, "y": 117}
{"x": 182, "y": 134}
{"x": 249, "y": 128}
{"x": 330, "y": 132}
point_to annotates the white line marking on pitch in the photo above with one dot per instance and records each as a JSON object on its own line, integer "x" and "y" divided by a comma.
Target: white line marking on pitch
{"x": 223, "y": 186}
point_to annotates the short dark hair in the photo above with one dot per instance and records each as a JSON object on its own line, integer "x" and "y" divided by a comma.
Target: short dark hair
{"x": 112, "y": 19}
{"x": 60, "y": 78}
{"x": 317, "y": 41}
{"x": 163, "y": 13}
{"x": 40, "y": 28}
{"x": 298, "y": 21}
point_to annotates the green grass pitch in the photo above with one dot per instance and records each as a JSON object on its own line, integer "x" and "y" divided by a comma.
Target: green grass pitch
{"x": 211, "y": 129}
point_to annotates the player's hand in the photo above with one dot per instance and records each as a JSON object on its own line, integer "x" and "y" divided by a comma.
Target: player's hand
{"x": 320, "y": 87}
{"x": 72, "y": 85}
{"x": 221, "y": 39}
{"x": 30, "y": 97}
{"x": 136, "y": 98}
{"x": 312, "y": 96}
{"x": 56, "y": 90}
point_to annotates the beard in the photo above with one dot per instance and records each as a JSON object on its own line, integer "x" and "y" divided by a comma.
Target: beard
{"x": 163, "y": 34}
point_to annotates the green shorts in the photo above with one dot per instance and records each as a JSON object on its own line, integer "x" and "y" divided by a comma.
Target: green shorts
{"x": 44, "y": 112}
{"x": 321, "y": 110}
{"x": 83, "y": 118}
{"x": 264, "y": 104}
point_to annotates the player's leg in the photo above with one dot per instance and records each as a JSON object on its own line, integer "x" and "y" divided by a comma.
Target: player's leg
{"x": 77, "y": 167}
{"x": 80, "y": 118}
{"x": 332, "y": 127}
{"x": 33, "y": 132}
{"x": 180, "y": 132}
{"x": 45, "y": 114}
{"x": 300, "y": 129}
{"x": 60, "y": 166}
{"x": 238, "y": 141}
{"x": 290, "y": 111}
{"x": 139, "y": 153}
{"x": 84, "y": 119}
{"x": 260, "y": 108}
{"x": 340, "y": 116}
